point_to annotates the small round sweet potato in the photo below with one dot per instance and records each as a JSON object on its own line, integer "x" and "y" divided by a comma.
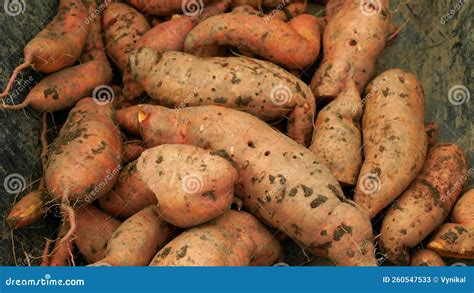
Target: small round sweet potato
{"x": 426, "y": 202}
{"x": 426, "y": 257}
{"x": 192, "y": 185}
{"x": 234, "y": 239}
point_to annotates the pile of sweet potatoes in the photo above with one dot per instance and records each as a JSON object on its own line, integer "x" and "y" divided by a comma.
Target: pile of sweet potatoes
{"x": 211, "y": 147}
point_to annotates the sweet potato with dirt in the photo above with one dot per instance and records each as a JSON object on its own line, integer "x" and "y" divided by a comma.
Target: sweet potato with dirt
{"x": 294, "y": 45}
{"x": 192, "y": 185}
{"x": 234, "y": 239}
{"x": 84, "y": 160}
{"x": 169, "y": 7}
{"x": 63, "y": 251}
{"x": 426, "y": 257}
{"x": 394, "y": 138}
{"x": 337, "y": 138}
{"x": 129, "y": 195}
{"x": 123, "y": 27}
{"x": 177, "y": 80}
{"x": 280, "y": 181}
{"x": 425, "y": 203}
{"x": 94, "y": 229}
{"x": 28, "y": 209}
{"x": 456, "y": 239}
{"x": 136, "y": 241}
{"x": 94, "y": 46}
{"x": 353, "y": 39}
{"x": 59, "y": 44}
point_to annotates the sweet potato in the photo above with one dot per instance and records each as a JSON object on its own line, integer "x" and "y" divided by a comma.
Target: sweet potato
{"x": 394, "y": 137}
{"x": 353, "y": 39}
{"x": 128, "y": 120}
{"x": 169, "y": 7}
{"x": 132, "y": 150}
{"x": 59, "y": 44}
{"x": 234, "y": 239}
{"x": 294, "y": 45}
{"x": 129, "y": 196}
{"x": 28, "y": 209}
{"x": 63, "y": 251}
{"x": 170, "y": 35}
{"x": 266, "y": 17}
{"x": 136, "y": 241}
{"x": 280, "y": 181}
{"x": 84, "y": 160}
{"x": 123, "y": 27}
{"x": 337, "y": 138}
{"x": 192, "y": 185}
{"x": 94, "y": 229}
{"x": 426, "y": 202}
{"x": 426, "y": 257}
{"x": 261, "y": 88}
{"x": 456, "y": 239}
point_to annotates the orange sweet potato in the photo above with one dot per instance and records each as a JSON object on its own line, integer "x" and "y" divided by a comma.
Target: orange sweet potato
{"x": 234, "y": 239}
{"x": 426, "y": 257}
{"x": 136, "y": 241}
{"x": 63, "y": 251}
{"x": 28, "y": 209}
{"x": 123, "y": 27}
{"x": 192, "y": 185}
{"x": 337, "y": 138}
{"x": 59, "y": 44}
{"x": 169, "y": 7}
{"x": 129, "y": 196}
{"x": 353, "y": 39}
{"x": 456, "y": 239}
{"x": 425, "y": 203}
{"x": 94, "y": 46}
{"x": 261, "y": 88}
{"x": 394, "y": 137}
{"x": 94, "y": 229}
{"x": 294, "y": 45}
{"x": 280, "y": 181}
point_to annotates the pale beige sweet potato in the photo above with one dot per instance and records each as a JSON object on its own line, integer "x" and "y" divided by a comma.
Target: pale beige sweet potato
{"x": 234, "y": 239}
{"x": 425, "y": 203}
{"x": 280, "y": 181}
{"x": 426, "y": 257}
{"x": 337, "y": 138}
{"x": 394, "y": 138}
{"x": 192, "y": 185}
{"x": 178, "y": 80}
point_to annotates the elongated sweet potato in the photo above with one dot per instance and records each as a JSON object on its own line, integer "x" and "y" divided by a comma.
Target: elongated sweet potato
{"x": 234, "y": 239}
{"x": 59, "y": 44}
{"x": 94, "y": 229}
{"x": 426, "y": 257}
{"x": 62, "y": 89}
{"x": 28, "y": 209}
{"x": 258, "y": 87}
{"x": 337, "y": 138}
{"x": 280, "y": 181}
{"x": 84, "y": 160}
{"x": 169, "y": 7}
{"x": 192, "y": 185}
{"x": 136, "y": 241}
{"x": 394, "y": 137}
{"x": 94, "y": 46}
{"x": 123, "y": 27}
{"x": 294, "y": 45}
{"x": 353, "y": 39}
{"x": 426, "y": 202}
{"x": 129, "y": 196}
{"x": 456, "y": 239}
